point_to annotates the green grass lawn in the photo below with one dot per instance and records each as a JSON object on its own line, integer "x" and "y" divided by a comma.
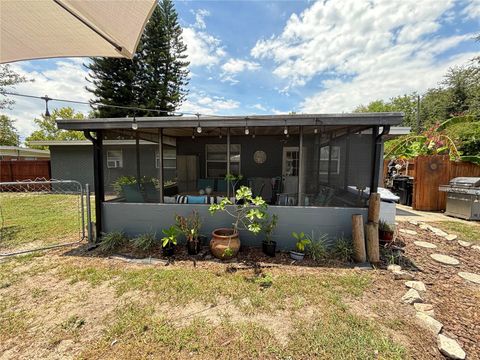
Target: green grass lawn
{"x": 465, "y": 231}
{"x": 39, "y": 219}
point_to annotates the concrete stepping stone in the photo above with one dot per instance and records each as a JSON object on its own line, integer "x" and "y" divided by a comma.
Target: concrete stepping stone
{"x": 451, "y": 237}
{"x": 425, "y": 244}
{"x": 413, "y": 222}
{"x": 430, "y": 323}
{"x": 402, "y": 275}
{"x": 425, "y": 308}
{"x": 445, "y": 259}
{"x": 417, "y": 285}
{"x": 408, "y": 232}
{"x": 450, "y": 348}
{"x": 438, "y": 232}
{"x": 411, "y": 297}
{"x": 394, "y": 267}
{"x": 476, "y": 247}
{"x": 425, "y": 227}
{"x": 464, "y": 243}
{"x": 475, "y": 278}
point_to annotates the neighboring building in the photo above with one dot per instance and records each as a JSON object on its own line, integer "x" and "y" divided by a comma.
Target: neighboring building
{"x": 313, "y": 169}
{"x": 16, "y": 153}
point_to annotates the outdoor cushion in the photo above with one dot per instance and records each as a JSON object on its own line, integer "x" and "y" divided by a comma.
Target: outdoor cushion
{"x": 181, "y": 199}
{"x": 169, "y": 199}
{"x": 131, "y": 193}
{"x": 196, "y": 199}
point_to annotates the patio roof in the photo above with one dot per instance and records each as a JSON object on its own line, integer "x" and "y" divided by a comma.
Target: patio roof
{"x": 355, "y": 119}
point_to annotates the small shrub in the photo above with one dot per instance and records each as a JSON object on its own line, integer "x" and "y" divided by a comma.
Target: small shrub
{"x": 342, "y": 249}
{"x": 317, "y": 248}
{"x": 112, "y": 241}
{"x": 145, "y": 242}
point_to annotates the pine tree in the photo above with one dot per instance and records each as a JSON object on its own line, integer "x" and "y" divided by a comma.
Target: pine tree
{"x": 157, "y": 76}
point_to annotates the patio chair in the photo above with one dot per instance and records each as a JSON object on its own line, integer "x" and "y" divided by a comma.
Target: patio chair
{"x": 132, "y": 193}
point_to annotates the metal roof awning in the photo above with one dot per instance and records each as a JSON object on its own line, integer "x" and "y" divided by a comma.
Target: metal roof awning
{"x": 355, "y": 119}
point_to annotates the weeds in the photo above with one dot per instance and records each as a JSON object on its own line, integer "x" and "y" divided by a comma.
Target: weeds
{"x": 145, "y": 242}
{"x": 112, "y": 241}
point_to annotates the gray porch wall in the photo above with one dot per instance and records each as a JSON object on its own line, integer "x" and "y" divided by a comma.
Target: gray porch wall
{"x": 135, "y": 219}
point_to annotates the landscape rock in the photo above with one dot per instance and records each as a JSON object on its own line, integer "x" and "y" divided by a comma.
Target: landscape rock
{"x": 408, "y": 232}
{"x": 451, "y": 237}
{"x": 470, "y": 277}
{"x": 425, "y": 244}
{"x": 464, "y": 243}
{"x": 476, "y": 247}
{"x": 413, "y": 222}
{"x": 411, "y": 297}
{"x": 438, "y": 232}
{"x": 445, "y": 259}
{"x": 430, "y": 323}
{"x": 394, "y": 267}
{"x": 425, "y": 227}
{"x": 402, "y": 275}
{"x": 425, "y": 308}
{"x": 417, "y": 285}
{"x": 450, "y": 348}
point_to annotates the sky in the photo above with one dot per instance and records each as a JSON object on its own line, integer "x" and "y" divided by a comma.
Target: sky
{"x": 274, "y": 57}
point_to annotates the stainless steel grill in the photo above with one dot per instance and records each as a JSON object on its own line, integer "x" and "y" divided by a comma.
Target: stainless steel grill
{"x": 463, "y": 197}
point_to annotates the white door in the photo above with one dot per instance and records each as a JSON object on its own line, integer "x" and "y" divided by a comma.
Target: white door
{"x": 290, "y": 170}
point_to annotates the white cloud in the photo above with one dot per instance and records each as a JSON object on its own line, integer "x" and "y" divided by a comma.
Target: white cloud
{"x": 65, "y": 81}
{"x": 200, "y": 102}
{"x": 234, "y": 66}
{"x": 367, "y": 50}
{"x": 200, "y": 16}
{"x": 203, "y": 49}
{"x": 259, "y": 107}
{"x": 472, "y": 10}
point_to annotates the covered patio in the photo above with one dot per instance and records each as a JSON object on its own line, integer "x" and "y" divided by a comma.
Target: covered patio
{"x": 314, "y": 170}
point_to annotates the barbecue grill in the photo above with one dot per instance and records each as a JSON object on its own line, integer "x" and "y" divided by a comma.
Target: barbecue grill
{"x": 463, "y": 197}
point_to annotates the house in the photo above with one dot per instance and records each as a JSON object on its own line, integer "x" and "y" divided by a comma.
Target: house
{"x": 315, "y": 170}
{"x": 16, "y": 153}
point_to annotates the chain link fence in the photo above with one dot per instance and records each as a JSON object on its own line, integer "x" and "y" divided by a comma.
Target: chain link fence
{"x": 40, "y": 214}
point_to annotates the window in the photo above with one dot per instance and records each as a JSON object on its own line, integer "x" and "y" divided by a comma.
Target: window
{"x": 114, "y": 159}
{"x": 169, "y": 159}
{"x": 335, "y": 160}
{"x": 216, "y": 160}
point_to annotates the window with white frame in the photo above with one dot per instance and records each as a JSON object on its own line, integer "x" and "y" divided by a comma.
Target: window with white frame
{"x": 114, "y": 159}
{"x": 335, "y": 160}
{"x": 169, "y": 159}
{"x": 216, "y": 160}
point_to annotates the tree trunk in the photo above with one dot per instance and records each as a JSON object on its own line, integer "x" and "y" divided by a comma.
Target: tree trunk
{"x": 358, "y": 237}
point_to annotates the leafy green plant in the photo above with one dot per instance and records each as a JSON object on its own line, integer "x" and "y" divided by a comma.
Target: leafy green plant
{"x": 112, "y": 241}
{"x": 233, "y": 180}
{"x": 268, "y": 226}
{"x": 123, "y": 180}
{"x": 228, "y": 252}
{"x": 247, "y": 213}
{"x": 384, "y": 226}
{"x": 342, "y": 249}
{"x": 145, "y": 242}
{"x": 170, "y": 238}
{"x": 302, "y": 241}
{"x": 317, "y": 248}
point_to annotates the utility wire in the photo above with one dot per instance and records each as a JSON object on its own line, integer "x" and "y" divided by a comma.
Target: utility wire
{"x": 95, "y": 104}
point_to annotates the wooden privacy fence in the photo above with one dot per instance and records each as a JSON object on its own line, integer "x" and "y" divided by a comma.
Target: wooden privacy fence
{"x": 429, "y": 173}
{"x": 24, "y": 170}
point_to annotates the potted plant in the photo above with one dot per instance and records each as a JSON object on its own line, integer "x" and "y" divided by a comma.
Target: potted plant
{"x": 385, "y": 231}
{"x": 169, "y": 241}
{"x": 302, "y": 242}
{"x": 268, "y": 245}
{"x": 234, "y": 180}
{"x": 189, "y": 226}
{"x": 247, "y": 214}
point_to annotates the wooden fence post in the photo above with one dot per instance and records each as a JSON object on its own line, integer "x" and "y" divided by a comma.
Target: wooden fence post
{"x": 373, "y": 245}
{"x": 358, "y": 237}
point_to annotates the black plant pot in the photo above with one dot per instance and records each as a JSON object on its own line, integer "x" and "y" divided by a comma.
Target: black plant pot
{"x": 168, "y": 250}
{"x": 193, "y": 247}
{"x": 269, "y": 248}
{"x": 203, "y": 240}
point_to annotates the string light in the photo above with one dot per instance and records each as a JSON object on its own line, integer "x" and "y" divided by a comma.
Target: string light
{"x": 134, "y": 123}
{"x": 199, "y": 128}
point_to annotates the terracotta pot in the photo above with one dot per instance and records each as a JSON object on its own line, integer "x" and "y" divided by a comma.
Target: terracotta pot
{"x": 385, "y": 236}
{"x": 222, "y": 239}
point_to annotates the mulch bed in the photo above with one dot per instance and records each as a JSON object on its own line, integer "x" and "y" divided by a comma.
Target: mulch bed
{"x": 456, "y": 302}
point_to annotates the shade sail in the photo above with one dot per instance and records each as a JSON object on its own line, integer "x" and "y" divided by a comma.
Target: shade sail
{"x": 37, "y": 29}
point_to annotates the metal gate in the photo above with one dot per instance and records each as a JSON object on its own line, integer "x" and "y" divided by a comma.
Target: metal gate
{"x": 40, "y": 214}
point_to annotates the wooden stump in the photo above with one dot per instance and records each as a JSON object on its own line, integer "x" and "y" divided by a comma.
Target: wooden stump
{"x": 374, "y": 208}
{"x": 373, "y": 245}
{"x": 358, "y": 237}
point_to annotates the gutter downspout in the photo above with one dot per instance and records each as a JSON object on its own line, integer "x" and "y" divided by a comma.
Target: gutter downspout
{"x": 97, "y": 178}
{"x": 377, "y": 157}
